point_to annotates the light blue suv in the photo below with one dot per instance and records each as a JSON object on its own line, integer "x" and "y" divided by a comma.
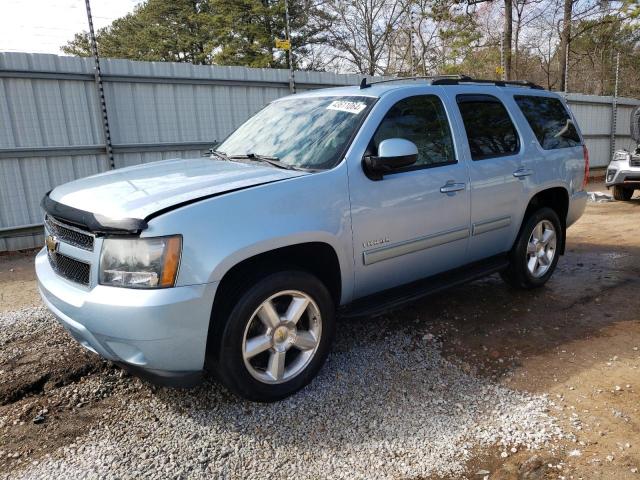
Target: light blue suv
{"x": 345, "y": 201}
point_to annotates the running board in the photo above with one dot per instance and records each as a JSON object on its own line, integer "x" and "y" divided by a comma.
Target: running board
{"x": 396, "y": 297}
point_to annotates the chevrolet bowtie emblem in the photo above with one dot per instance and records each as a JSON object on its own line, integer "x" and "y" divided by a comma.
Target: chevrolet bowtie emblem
{"x": 52, "y": 243}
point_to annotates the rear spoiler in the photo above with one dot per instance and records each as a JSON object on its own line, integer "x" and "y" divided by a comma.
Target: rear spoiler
{"x": 92, "y": 222}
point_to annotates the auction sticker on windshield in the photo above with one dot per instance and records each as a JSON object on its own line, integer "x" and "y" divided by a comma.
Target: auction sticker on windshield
{"x": 346, "y": 106}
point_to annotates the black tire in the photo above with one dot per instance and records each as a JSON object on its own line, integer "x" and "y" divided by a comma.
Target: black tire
{"x": 622, "y": 193}
{"x": 229, "y": 363}
{"x": 517, "y": 274}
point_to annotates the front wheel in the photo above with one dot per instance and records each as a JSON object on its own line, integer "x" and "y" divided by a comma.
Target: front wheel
{"x": 622, "y": 193}
{"x": 534, "y": 256}
{"x": 276, "y": 337}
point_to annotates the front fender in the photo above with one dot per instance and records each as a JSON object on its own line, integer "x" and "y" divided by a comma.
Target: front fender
{"x": 220, "y": 232}
{"x": 275, "y": 243}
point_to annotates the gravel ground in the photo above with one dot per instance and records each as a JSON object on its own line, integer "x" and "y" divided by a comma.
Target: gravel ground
{"x": 387, "y": 394}
{"x": 386, "y": 405}
{"x": 30, "y": 337}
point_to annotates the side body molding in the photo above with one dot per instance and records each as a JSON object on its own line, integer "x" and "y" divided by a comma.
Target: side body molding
{"x": 415, "y": 245}
{"x": 490, "y": 225}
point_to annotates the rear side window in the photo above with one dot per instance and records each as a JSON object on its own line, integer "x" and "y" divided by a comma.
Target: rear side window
{"x": 549, "y": 121}
{"x": 489, "y": 128}
{"x": 422, "y": 120}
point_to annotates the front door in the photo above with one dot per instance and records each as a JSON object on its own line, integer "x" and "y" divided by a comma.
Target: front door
{"x": 414, "y": 222}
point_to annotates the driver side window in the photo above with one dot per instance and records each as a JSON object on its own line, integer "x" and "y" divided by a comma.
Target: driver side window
{"x": 422, "y": 120}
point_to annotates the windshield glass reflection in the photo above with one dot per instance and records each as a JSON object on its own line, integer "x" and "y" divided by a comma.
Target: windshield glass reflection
{"x": 302, "y": 132}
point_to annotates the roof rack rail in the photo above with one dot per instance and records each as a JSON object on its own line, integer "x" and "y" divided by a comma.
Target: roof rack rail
{"x": 497, "y": 83}
{"x": 455, "y": 80}
{"x": 365, "y": 84}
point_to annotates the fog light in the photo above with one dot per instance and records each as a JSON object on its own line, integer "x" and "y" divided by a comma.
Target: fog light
{"x": 610, "y": 175}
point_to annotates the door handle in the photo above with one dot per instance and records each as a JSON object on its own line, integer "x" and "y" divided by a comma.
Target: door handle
{"x": 522, "y": 172}
{"x": 451, "y": 187}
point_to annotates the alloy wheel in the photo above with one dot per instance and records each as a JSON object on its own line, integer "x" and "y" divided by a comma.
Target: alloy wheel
{"x": 541, "y": 248}
{"x": 282, "y": 337}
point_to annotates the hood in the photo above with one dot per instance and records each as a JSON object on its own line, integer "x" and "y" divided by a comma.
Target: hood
{"x": 140, "y": 191}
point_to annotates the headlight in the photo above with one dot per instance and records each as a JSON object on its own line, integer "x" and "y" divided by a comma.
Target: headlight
{"x": 621, "y": 156}
{"x": 140, "y": 262}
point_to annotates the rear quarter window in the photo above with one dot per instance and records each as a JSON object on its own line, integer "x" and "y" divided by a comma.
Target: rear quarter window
{"x": 551, "y": 123}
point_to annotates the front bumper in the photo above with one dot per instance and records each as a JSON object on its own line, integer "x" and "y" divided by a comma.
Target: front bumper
{"x": 159, "y": 334}
{"x": 628, "y": 176}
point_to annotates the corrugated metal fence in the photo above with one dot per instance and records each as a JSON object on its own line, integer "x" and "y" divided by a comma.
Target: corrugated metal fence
{"x": 595, "y": 115}
{"x": 51, "y": 132}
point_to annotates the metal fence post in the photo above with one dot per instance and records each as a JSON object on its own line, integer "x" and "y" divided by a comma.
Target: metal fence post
{"x": 98, "y": 79}
{"x": 614, "y": 111}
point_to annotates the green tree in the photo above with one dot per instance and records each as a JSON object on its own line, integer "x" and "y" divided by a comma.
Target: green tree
{"x": 247, "y": 30}
{"x": 445, "y": 36}
{"x": 632, "y": 8}
{"x": 239, "y": 32}
{"x": 594, "y": 49}
{"x": 157, "y": 30}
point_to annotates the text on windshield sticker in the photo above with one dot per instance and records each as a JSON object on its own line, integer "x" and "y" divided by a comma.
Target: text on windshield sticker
{"x": 346, "y": 106}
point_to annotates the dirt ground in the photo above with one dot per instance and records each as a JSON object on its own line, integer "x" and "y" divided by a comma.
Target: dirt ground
{"x": 577, "y": 340}
{"x": 17, "y": 286}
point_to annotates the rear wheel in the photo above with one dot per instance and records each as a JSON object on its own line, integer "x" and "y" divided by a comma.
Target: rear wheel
{"x": 622, "y": 193}
{"x": 534, "y": 256}
{"x": 276, "y": 337}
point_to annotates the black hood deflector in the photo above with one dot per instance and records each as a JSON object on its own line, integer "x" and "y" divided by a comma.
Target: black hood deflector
{"x": 93, "y": 222}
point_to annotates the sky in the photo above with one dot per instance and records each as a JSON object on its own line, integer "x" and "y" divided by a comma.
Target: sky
{"x": 43, "y": 26}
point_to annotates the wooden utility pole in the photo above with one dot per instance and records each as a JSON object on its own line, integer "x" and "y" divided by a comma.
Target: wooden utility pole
{"x": 565, "y": 39}
{"x": 292, "y": 77}
{"x": 507, "y": 39}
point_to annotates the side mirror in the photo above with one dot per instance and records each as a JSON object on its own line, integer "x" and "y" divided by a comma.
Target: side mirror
{"x": 393, "y": 154}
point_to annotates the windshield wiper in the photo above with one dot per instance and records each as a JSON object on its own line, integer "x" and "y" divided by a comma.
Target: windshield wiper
{"x": 275, "y": 161}
{"x": 217, "y": 153}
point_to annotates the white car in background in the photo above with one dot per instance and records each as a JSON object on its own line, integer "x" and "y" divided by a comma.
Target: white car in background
{"x": 623, "y": 172}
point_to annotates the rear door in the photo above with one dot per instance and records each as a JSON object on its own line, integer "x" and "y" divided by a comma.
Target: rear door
{"x": 500, "y": 177}
{"x": 414, "y": 222}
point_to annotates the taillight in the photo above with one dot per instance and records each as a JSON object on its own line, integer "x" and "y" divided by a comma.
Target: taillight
{"x": 585, "y": 151}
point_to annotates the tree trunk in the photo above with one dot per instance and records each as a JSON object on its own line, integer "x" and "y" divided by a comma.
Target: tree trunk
{"x": 508, "y": 34}
{"x": 565, "y": 39}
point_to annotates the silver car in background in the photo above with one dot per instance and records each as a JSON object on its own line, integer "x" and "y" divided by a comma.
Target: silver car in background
{"x": 623, "y": 172}
{"x": 346, "y": 201}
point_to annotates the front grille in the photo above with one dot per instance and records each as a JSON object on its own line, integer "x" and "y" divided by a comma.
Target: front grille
{"x": 70, "y": 268}
{"x": 69, "y": 234}
{"x": 635, "y": 161}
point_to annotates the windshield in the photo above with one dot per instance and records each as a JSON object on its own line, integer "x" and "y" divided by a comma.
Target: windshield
{"x": 307, "y": 132}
